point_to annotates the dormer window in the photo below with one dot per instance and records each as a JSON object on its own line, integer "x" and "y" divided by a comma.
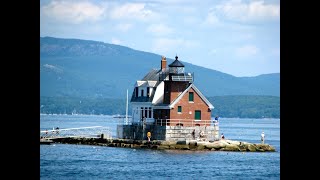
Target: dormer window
{"x": 142, "y": 92}
{"x": 148, "y": 91}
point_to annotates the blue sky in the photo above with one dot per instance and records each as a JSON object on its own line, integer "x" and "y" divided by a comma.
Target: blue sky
{"x": 238, "y": 37}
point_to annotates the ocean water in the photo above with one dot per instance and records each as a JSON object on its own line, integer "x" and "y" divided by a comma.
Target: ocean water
{"x": 65, "y": 161}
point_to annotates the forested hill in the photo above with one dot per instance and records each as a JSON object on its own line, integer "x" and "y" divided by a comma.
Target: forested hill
{"x": 91, "y": 69}
{"x": 224, "y": 106}
{"x": 246, "y": 106}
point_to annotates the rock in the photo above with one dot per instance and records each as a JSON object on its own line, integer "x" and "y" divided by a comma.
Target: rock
{"x": 157, "y": 142}
{"x": 200, "y": 147}
{"x": 154, "y": 147}
{"x": 252, "y": 148}
{"x": 223, "y": 145}
{"x": 272, "y": 149}
{"x": 243, "y": 147}
{"x": 129, "y": 141}
{"x": 116, "y": 141}
{"x": 216, "y": 145}
{"x": 143, "y": 146}
{"x": 264, "y": 147}
{"x": 184, "y": 147}
{"x": 182, "y": 142}
{"x": 135, "y": 146}
{"x": 169, "y": 143}
{"x": 162, "y": 147}
{"x": 192, "y": 143}
{"x": 202, "y": 143}
{"x": 111, "y": 145}
{"x": 231, "y": 147}
{"x": 232, "y": 142}
{"x": 137, "y": 142}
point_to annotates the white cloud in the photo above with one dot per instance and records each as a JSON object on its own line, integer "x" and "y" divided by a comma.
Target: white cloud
{"x": 131, "y": 11}
{"x": 72, "y": 11}
{"x": 123, "y": 27}
{"x": 255, "y": 10}
{"x": 159, "y": 29}
{"x": 116, "y": 41}
{"x": 246, "y": 51}
{"x": 211, "y": 19}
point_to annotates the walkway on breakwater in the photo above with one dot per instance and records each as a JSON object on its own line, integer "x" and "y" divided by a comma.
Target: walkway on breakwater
{"x": 88, "y": 132}
{"x": 220, "y": 145}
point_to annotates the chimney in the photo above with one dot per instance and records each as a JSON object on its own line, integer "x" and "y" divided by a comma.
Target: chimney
{"x": 163, "y": 63}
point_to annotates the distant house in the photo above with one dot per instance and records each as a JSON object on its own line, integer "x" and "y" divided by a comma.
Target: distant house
{"x": 167, "y": 102}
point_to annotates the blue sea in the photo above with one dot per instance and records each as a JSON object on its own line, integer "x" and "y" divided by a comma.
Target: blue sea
{"x": 65, "y": 161}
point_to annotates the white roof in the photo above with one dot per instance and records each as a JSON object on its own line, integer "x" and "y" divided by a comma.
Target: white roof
{"x": 152, "y": 83}
{"x": 146, "y": 83}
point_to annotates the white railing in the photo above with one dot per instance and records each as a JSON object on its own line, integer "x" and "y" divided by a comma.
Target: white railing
{"x": 93, "y": 131}
{"x": 182, "y": 78}
{"x": 178, "y": 122}
{"x": 185, "y": 122}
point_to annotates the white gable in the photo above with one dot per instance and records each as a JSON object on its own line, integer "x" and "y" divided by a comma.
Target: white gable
{"x": 145, "y": 83}
{"x": 197, "y": 91}
{"x": 158, "y": 95}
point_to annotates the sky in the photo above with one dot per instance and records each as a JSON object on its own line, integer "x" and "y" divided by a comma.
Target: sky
{"x": 237, "y": 37}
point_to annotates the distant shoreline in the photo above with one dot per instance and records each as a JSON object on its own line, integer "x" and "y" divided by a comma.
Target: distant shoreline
{"x": 123, "y": 116}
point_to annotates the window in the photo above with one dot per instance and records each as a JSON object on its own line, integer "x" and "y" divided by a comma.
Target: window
{"x": 141, "y": 92}
{"x": 146, "y": 112}
{"x": 148, "y": 91}
{"x": 191, "y": 96}
{"x": 136, "y": 91}
{"x": 179, "y": 109}
{"x": 150, "y": 112}
{"x": 141, "y": 114}
{"x": 197, "y": 115}
{"x": 180, "y": 70}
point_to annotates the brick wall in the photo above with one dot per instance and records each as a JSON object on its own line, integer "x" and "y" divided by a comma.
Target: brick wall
{"x": 187, "y": 107}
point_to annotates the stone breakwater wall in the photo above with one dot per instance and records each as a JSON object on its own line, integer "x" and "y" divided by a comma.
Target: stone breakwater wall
{"x": 221, "y": 145}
